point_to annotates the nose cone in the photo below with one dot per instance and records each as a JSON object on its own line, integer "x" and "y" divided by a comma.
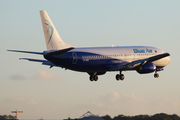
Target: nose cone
{"x": 168, "y": 60}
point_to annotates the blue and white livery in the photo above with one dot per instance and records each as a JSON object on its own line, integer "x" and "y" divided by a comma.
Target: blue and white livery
{"x": 97, "y": 60}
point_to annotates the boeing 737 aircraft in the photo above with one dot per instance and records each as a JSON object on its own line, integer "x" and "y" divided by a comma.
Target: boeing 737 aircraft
{"x": 97, "y": 60}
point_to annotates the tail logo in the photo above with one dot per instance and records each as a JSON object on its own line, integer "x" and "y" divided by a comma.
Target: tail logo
{"x": 49, "y": 28}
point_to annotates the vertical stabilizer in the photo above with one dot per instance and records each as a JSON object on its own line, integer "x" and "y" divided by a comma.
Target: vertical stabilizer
{"x": 52, "y": 38}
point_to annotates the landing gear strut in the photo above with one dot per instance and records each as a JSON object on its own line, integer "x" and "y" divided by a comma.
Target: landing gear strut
{"x": 156, "y": 75}
{"x": 120, "y": 76}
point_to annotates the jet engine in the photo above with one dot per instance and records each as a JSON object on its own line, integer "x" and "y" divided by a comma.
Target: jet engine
{"x": 146, "y": 68}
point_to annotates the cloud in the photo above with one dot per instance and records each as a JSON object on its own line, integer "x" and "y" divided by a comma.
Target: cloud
{"x": 17, "y": 77}
{"x": 20, "y": 100}
{"x": 166, "y": 104}
{"x": 39, "y": 74}
{"x": 176, "y": 104}
{"x": 113, "y": 96}
{"x": 46, "y": 75}
{"x": 115, "y": 103}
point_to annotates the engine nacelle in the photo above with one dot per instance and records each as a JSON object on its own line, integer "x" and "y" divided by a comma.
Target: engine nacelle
{"x": 146, "y": 68}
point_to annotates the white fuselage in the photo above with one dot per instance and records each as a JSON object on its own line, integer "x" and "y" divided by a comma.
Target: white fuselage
{"x": 125, "y": 53}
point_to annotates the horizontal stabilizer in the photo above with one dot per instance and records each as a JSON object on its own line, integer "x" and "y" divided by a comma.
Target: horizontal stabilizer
{"x": 44, "y": 62}
{"x": 40, "y": 53}
{"x": 58, "y": 52}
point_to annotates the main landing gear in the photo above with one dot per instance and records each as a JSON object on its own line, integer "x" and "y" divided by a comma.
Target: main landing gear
{"x": 120, "y": 76}
{"x": 93, "y": 77}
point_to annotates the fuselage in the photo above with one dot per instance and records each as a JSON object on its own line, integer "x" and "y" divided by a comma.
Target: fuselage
{"x": 100, "y": 59}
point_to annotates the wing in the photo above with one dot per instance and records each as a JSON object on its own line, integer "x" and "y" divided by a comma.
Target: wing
{"x": 44, "y": 62}
{"x": 136, "y": 63}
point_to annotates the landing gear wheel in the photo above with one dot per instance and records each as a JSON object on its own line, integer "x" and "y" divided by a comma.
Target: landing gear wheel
{"x": 122, "y": 76}
{"x": 91, "y": 77}
{"x": 95, "y": 78}
{"x": 156, "y": 75}
{"x": 118, "y": 77}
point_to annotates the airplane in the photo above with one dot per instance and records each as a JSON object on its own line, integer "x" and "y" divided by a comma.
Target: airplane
{"x": 97, "y": 60}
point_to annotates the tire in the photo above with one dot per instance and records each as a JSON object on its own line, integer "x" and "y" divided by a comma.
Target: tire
{"x": 95, "y": 78}
{"x": 117, "y": 77}
{"x": 91, "y": 77}
{"x": 122, "y": 77}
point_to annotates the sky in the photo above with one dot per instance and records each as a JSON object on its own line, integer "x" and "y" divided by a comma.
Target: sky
{"x": 57, "y": 93}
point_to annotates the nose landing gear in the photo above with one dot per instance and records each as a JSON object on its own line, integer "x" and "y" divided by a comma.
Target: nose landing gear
{"x": 156, "y": 75}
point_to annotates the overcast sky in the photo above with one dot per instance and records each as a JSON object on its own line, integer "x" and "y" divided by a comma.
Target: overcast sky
{"x": 57, "y": 93}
